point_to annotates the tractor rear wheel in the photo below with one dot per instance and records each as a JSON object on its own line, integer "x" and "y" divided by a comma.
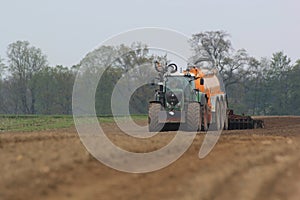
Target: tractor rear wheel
{"x": 226, "y": 122}
{"x": 193, "y": 118}
{"x": 153, "y": 122}
{"x": 216, "y": 125}
{"x": 222, "y": 114}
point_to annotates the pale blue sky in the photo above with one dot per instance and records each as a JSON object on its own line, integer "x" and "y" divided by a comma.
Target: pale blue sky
{"x": 67, "y": 30}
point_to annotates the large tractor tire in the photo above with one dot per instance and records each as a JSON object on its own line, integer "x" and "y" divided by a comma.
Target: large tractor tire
{"x": 216, "y": 125}
{"x": 153, "y": 122}
{"x": 193, "y": 117}
{"x": 204, "y": 113}
{"x": 222, "y": 114}
{"x": 226, "y": 120}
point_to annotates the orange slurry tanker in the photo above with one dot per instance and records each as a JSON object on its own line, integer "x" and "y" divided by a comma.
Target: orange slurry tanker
{"x": 194, "y": 99}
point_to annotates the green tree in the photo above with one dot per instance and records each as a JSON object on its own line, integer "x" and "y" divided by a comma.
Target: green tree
{"x": 46, "y": 91}
{"x": 64, "y": 78}
{"x": 293, "y": 79}
{"x": 116, "y": 62}
{"x": 105, "y": 88}
{"x": 1, "y": 83}
{"x": 54, "y": 90}
{"x": 278, "y": 83}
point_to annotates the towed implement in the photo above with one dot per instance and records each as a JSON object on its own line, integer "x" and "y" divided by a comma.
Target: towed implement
{"x": 243, "y": 122}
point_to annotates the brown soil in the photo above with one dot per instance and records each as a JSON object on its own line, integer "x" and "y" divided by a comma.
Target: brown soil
{"x": 245, "y": 164}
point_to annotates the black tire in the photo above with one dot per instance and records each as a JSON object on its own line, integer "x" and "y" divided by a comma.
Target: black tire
{"x": 223, "y": 114}
{"x": 193, "y": 117}
{"x": 153, "y": 123}
{"x": 226, "y": 122}
{"x": 204, "y": 126}
{"x": 216, "y": 125}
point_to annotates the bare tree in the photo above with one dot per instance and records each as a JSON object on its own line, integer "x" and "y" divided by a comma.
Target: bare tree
{"x": 211, "y": 46}
{"x": 24, "y": 61}
{"x": 235, "y": 67}
{"x": 214, "y": 49}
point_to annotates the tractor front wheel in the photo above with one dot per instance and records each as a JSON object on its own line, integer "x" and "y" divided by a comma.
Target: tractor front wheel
{"x": 153, "y": 122}
{"x": 193, "y": 118}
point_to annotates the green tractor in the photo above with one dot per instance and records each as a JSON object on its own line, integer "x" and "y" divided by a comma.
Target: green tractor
{"x": 177, "y": 101}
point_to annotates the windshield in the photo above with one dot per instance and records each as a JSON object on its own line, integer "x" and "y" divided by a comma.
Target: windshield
{"x": 178, "y": 83}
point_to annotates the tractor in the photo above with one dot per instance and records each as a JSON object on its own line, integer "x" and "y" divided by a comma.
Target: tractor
{"x": 193, "y": 99}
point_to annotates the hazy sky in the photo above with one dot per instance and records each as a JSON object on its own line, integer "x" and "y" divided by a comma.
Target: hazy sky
{"x": 66, "y": 30}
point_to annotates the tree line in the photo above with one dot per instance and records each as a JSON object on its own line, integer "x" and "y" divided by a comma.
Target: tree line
{"x": 265, "y": 86}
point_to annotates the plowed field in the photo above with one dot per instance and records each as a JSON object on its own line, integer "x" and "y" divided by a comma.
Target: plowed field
{"x": 245, "y": 164}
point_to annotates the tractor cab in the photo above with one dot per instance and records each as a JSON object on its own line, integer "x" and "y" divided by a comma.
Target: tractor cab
{"x": 178, "y": 90}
